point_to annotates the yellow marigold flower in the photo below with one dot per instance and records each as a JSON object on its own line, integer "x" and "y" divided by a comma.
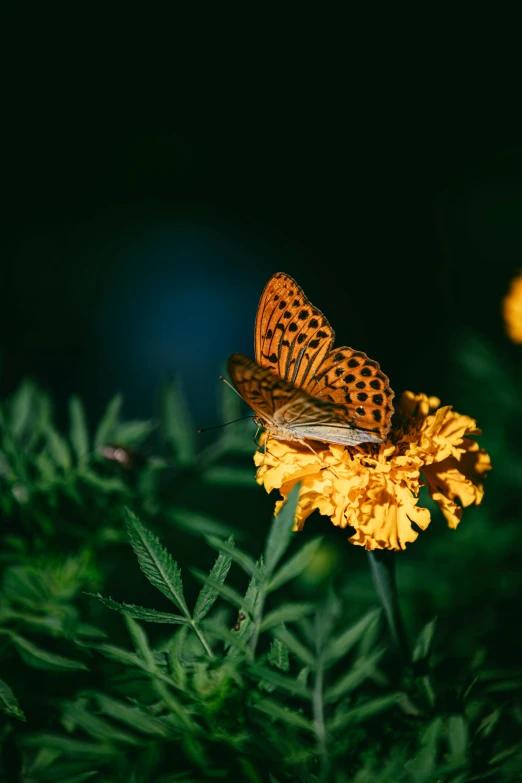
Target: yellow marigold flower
{"x": 512, "y": 307}
{"x": 374, "y": 488}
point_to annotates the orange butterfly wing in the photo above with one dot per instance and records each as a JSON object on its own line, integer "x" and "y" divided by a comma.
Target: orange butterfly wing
{"x": 333, "y": 394}
{"x": 350, "y": 378}
{"x": 290, "y": 413}
{"x": 292, "y": 337}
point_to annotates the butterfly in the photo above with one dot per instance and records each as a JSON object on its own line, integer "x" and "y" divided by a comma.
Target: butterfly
{"x": 299, "y": 386}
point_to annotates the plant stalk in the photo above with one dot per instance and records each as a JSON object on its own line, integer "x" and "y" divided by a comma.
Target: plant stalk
{"x": 382, "y": 566}
{"x": 199, "y": 634}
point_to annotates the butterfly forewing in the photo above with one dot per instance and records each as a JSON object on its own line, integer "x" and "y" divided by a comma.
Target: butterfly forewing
{"x": 292, "y": 337}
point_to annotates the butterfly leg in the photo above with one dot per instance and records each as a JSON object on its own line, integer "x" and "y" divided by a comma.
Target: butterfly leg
{"x": 326, "y": 466}
{"x": 255, "y": 436}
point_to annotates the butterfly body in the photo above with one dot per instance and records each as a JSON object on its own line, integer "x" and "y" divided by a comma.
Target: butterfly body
{"x": 299, "y": 386}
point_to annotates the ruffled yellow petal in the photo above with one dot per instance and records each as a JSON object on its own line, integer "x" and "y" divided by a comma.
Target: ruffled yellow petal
{"x": 374, "y": 489}
{"x": 512, "y": 309}
{"x": 453, "y": 479}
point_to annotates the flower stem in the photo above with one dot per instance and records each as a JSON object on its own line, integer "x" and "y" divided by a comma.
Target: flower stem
{"x": 382, "y": 566}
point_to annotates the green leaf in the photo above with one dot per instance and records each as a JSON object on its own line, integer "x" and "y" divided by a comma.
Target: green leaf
{"x": 21, "y": 406}
{"x": 281, "y": 531}
{"x": 458, "y": 739}
{"x": 132, "y": 716}
{"x": 132, "y": 433}
{"x": 341, "y": 645}
{"x": 278, "y": 655}
{"x": 9, "y": 703}
{"x": 176, "y": 426}
{"x": 363, "y": 711}
{"x": 139, "y": 638}
{"x": 219, "y": 573}
{"x": 294, "y": 645}
{"x": 289, "y": 716}
{"x": 423, "y": 642}
{"x": 156, "y": 563}
{"x": 228, "y": 593}
{"x": 78, "y": 434}
{"x": 104, "y": 484}
{"x": 223, "y": 476}
{"x": 117, "y": 654}
{"x": 422, "y": 767}
{"x": 197, "y": 524}
{"x": 107, "y": 426}
{"x": 282, "y": 682}
{"x": 71, "y": 747}
{"x": 353, "y": 678}
{"x": 43, "y": 659}
{"x": 58, "y": 449}
{"x": 286, "y": 613}
{"x": 24, "y": 585}
{"x": 139, "y": 612}
{"x": 99, "y": 729}
{"x": 243, "y": 560}
{"x": 296, "y": 564}
{"x": 79, "y": 778}
{"x": 370, "y": 636}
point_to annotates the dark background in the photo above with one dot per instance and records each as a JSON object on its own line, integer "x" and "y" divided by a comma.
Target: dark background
{"x": 133, "y": 250}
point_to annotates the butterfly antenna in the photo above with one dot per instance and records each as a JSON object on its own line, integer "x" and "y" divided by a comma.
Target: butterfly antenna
{"x": 206, "y": 429}
{"x": 229, "y": 384}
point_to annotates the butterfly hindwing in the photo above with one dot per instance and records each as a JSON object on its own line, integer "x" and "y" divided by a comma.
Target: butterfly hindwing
{"x": 350, "y": 378}
{"x": 292, "y": 337}
{"x": 260, "y": 388}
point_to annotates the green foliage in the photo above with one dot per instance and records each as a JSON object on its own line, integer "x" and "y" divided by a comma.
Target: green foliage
{"x": 154, "y": 629}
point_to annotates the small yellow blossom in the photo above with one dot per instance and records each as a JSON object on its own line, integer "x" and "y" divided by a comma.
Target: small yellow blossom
{"x": 374, "y": 488}
{"x": 512, "y": 307}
